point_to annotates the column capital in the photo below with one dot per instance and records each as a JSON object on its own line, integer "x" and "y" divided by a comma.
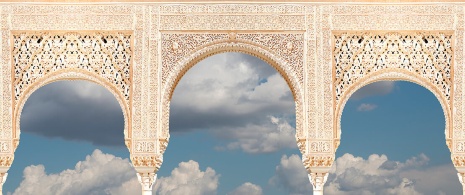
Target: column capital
{"x": 318, "y": 167}
{"x": 147, "y": 166}
{"x": 146, "y": 179}
{"x": 318, "y": 180}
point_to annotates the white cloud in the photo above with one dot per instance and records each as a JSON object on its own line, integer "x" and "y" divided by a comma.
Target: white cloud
{"x": 106, "y": 174}
{"x": 291, "y": 175}
{"x": 376, "y": 175}
{"x": 229, "y": 83}
{"x": 98, "y": 174}
{"x": 366, "y": 107}
{"x": 247, "y": 188}
{"x": 270, "y": 137}
{"x": 188, "y": 179}
{"x": 374, "y": 89}
{"x": 232, "y": 96}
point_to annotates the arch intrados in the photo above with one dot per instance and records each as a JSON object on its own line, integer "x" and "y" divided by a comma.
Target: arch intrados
{"x": 395, "y": 75}
{"x": 63, "y": 75}
{"x": 191, "y": 63}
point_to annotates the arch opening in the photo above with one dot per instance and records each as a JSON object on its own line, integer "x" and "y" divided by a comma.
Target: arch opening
{"x": 72, "y": 76}
{"x": 217, "y": 48}
{"x": 227, "y": 120}
{"x": 69, "y": 128}
{"x": 396, "y": 75}
{"x": 394, "y": 140}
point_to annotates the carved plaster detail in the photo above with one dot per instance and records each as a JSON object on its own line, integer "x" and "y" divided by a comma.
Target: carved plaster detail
{"x": 153, "y": 161}
{"x": 182, "y": 51}
{"x": 423, "y": 57}
{"x": 6, "y": 160}
{"x": 318, "y": 180}
{"x": 426, "y": 54}
{"x": 238, "y": 28}
{"x": 37, "y": 55}
{"x": 310, "y": 161}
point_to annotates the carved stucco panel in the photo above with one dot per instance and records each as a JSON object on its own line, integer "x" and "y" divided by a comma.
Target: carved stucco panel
{"x": 426, "y": 55}
{"x": 425, "y": 17}
{"x": 232, "y": 22}
{"x": 85, "y": 17}
{"x": 6, "y": 101}
{"x": 72, "y": 17}
{"x": 249, "y": 9}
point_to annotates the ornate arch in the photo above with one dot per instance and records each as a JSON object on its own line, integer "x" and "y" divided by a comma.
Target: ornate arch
{"x": 424, "y": 58}
{"x": 284, "y": 52}
{"x": 70, "y": 74}
{"x": 40, "y": 58}
{"x": 396, "y": 75}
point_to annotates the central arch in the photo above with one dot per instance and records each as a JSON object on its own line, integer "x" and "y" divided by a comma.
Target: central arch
{"x": 287, "y": 69}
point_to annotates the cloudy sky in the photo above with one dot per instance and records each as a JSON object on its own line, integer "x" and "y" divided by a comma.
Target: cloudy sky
{"x": 232, "y": 130}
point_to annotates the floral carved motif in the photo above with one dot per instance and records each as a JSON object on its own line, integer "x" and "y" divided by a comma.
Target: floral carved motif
{"x": 428, "y": 55}
{"x": 36, "y": 55}
{"x": 147, "y": 161}
{"x": 317, "y": 161}
{"x": 6, "y": 160}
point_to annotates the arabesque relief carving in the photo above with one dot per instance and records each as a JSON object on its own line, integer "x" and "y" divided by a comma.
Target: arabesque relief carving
{"x": 422, "y": 57}
{"x": 140, "y": 51}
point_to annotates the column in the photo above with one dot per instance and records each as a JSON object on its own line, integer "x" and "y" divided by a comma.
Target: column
{"x": 146, "y": 168}
{"x": 462, "y": 180}
{"x": 318, "y": 177}
{"x": 318, "y": 180}
{"x": 146, "y": 179}
{"x": 2, "y": 180}
{"x": 318, "y": 170}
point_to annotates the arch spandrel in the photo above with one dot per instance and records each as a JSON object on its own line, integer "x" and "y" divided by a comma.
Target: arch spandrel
{"x": 425, "y": 58}
{"x": 284, "y": 52}
{"x": 39, "y": 58}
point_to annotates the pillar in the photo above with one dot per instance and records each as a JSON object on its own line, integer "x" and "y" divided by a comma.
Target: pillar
{"x": 318, "y": 170}
{"x": 146, "y": 167}
{"x": 318, "y": 177}
{"x": 318, "y": 180}
{"x": 462, "y": 181}
{"x": 146, "y": 179}
{"x": 2, "y": 180}
{"x": 459, "y": 163}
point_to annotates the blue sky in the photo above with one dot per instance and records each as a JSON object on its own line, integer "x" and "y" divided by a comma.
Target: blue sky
{"x": 232, "y": 126}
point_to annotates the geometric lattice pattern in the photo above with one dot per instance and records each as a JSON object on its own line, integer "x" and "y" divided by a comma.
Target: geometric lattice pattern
{"x": 357, "y": 55}
{"x": 36, "y": 55}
